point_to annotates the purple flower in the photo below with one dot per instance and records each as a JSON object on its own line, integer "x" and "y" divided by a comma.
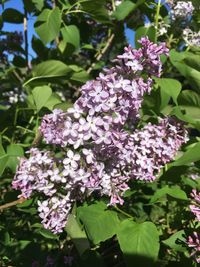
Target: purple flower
{"x": 182, "y": 10}
{"x": 54, "y": 213}
{"x": 102, "y": 150}
{"x": 194, "y": 243}
{"x": 72, "y": 159}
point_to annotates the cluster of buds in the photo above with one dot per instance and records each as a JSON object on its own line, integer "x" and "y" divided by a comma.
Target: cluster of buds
{"x": 101, "y": 148}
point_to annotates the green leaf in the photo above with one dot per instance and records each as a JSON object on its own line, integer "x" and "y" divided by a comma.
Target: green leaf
{"x": 77, "y": 234}
{"x": 38, "y": 4}
{"x": 189, "y": 98}
{"x": 6, "y": 239}
{"x": 191, "y": 74}
{"x": 174, "y": 192}
{"x": 39, "y": 47}
{"x": 12, "y": 15}
{"x": 100, "y": 224}
{"x": 193, "y": 61}
{"x": 25, "y": 204}
{"x": 96, "y": 9}
{"x": 192, "y": 112}
{"x": 48, "y": 71}
{"x": 88, "y": 46}
{"x": 64, "y": 106}
{"x": 23, "y": 243}
{"x": 169, "y": 88}
{"x": 41, "y": 95}
{"x": 71, "y": 35}
{"x": 123, "y": 10}
{"x": 19, "y": 61}
{"x": 14, "y": 152}
{"x": 51, "y": 68}
{"x": 47, "y": 25}
{"x": 178, "y": 112}
{"x": 189, "y": 101}
{"x": 53, "y": 100}
{"x": 3, "y": 158}
{"x": 144, "y": 31}
{"x": 176, "y": 241}
{"x": 47, "y": 234}
{"x": 138, "y": 242}
{"x": 33, "y": 5}
{"x": 81, "y": 76}
{"x": 191, "y": 155}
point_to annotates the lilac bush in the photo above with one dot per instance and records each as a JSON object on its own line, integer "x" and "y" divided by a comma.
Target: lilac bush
{"x": 103, "y": 149}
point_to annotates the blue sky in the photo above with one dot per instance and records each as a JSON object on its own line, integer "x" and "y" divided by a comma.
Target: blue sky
{"x": 18, "y": 4}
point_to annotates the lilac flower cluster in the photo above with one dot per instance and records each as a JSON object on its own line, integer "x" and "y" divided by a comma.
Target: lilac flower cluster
{"x": 191, "y": 37}
{"x": 182, "y": 10}
{"x": 102, "y": 149}
{"x": 149, "y": 149}
{"x": 194, "y": 243}
{"x": 58, "y": 180}
{"x": 195, "y": 206}
{"x": 108, "y": 102}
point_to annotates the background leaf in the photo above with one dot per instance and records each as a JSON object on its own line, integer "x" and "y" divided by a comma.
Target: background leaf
{"x": 71, "y": 35}
{"x": 191, "y": 155}
{"x": 138, "y": 242}
{"x": 14, "y": 151}
{"x": 41, "y": 95}
{"x": 12, "y": 15}
{"x": 175, "y": 192}
{"x": 100, "y": 224}
{"x": 77, "y": 234}
{"x": 169, "y": 88}
{"x": 48, "y": 24}
{"x": 123, "y": 10}
{"x": 176, "y": 241}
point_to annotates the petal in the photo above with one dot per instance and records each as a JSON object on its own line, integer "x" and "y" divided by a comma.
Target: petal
{"x": 70, "y": 153}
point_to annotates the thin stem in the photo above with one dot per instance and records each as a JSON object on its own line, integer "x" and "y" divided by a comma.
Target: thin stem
{"x": 17, "y": 76}
{"x": 24, "y": 129}
{"x": 76, "y": 4}
{"x": 13, "y": 203}
{"x": 6, "y": 138}
{"x": 123, "y": 212}
{"x": 26, "y": 36}
{"x": 102, "y": 52}
{"x": 37, "y": 139}
{"x": 77, "y": 11}
{"x": 113, "y": 5}
{"x": 170, "y": 40}
{"x": 157, "y": 19}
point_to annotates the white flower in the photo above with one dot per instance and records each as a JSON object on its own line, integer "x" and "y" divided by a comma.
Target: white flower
{"x": 72, "y": 159}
